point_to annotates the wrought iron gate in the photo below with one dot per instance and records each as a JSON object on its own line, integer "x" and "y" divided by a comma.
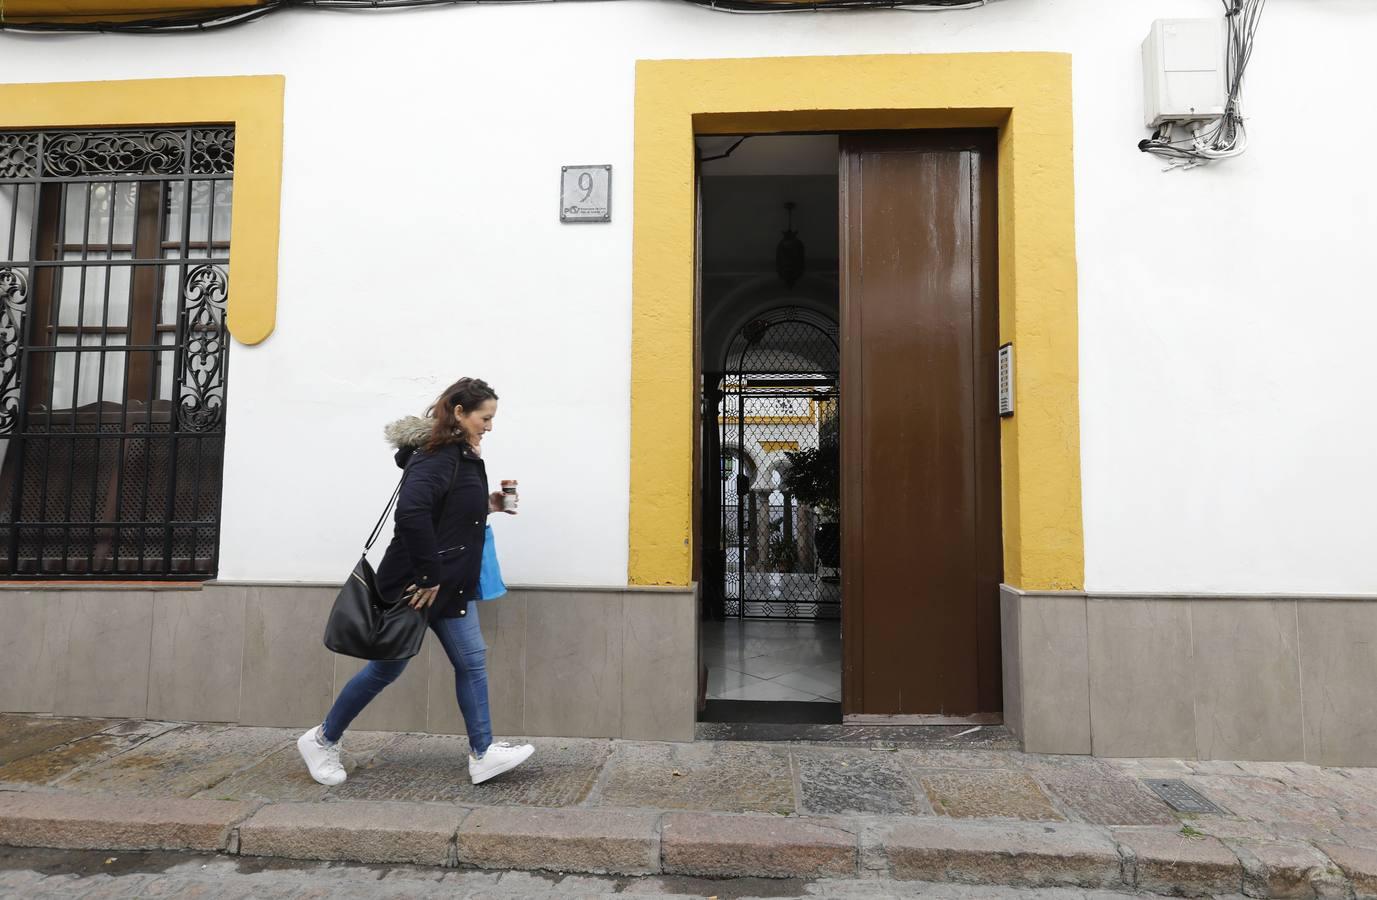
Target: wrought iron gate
{"x": 778, "y": 449}
{"x": 114, "y": 254}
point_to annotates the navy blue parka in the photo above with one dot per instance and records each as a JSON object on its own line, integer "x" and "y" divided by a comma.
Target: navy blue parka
{"x": 441, "y": 519}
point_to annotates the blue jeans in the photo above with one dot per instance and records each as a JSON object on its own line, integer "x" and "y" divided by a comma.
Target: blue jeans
{"x": 464, "y": 646}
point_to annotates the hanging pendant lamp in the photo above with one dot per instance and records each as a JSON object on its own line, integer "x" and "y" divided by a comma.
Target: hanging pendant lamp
{"x": 789, "y": 258}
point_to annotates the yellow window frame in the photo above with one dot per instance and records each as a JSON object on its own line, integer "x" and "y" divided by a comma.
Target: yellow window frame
{"x": 252, "y": 103}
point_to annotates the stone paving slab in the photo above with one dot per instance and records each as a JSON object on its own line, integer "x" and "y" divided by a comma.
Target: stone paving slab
{"x": 1356, "y": 836}
{"x": 109, "y": 823}
{"x": 1152, "y": 767}
{"x": 1038, "y": 763}
{"x": 1265, "y": 800}
{"x": 562, "y": 772}
{"x": 1213, "y": 767}
{"x": 417, "y": 767}
{"x": 834, "y": 782}
{"x": 701, "y": 776}
{"x": 945, "y": 758}
{"x": 283, "y": 776}
{"x": 1170, "y": 862}
{"x": 182, "y": 762}
{"x": 977, "y": 794}
{"x": 1016, "y": 853}
{"x": 1366, "y": 777}
{"x": 53, "y": 765}
{"x": 718, "y": 846}
{"x": 420, "y": 768}
{"x": 1105, "y": 798}
{"x": 1333, "y": 784}
{"x": 1230, "y": 829}
{"x": 22, "y": 736}
{"x": 625, "y": 842}
{"x": 360, "y": 832}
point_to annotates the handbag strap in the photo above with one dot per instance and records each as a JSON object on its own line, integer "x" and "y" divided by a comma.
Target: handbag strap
{"x": 397, "y": 492}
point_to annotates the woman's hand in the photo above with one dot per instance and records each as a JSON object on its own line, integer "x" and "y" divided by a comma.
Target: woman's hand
{"x": 420, "y": 598}
{"x": 495, "y": 504}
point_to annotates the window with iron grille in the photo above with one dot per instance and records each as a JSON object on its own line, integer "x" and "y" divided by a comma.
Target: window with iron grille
{"x": 114, "y": 256}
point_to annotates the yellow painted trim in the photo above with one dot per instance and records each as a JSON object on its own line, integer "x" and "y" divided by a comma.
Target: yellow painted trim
{"x": 252, "y": 103}
{"x": 1027, "y": 96}
{"x": 766, "y": 420}
{"x": 775, "y": 420}
{"x": 778, "y": 446}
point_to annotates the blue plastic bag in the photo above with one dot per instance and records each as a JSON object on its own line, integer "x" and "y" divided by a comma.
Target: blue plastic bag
{"x": 490, "y": 585}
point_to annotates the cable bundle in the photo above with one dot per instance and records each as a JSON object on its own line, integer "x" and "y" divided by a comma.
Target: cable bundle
{"x": 1227, "y": 137}
{"x": 209, "y": 18}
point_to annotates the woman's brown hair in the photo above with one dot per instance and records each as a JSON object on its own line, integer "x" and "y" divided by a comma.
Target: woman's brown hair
{"x": 467, "y": 393}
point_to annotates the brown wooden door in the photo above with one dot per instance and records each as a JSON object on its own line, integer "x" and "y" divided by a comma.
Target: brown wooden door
{"x": 920, "y": 454}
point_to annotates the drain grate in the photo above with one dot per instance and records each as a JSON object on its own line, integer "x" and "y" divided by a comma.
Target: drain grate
{"x": 1181, "y": 796}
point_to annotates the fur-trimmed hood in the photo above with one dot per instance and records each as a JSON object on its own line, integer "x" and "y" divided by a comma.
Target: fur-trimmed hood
{"x": 408, "y": 435}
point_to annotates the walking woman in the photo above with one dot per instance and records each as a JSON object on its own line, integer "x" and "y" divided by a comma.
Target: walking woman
{"x": 433, "y": 563}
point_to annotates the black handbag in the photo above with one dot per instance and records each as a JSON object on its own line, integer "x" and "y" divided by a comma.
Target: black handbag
{"x": 366, "y": 625}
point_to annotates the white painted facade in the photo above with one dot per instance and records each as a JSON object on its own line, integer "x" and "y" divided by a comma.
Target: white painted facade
{"x": 1226, "y": 436}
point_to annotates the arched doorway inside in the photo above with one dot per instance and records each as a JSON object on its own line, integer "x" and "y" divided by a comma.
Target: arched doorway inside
{"x": 779, "y": 514}
{"x": 771, "y": 584}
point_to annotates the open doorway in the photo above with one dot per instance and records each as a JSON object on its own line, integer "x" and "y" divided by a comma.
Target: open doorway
{"x": 770, "y": 358}
{"x": 849, "y": 430}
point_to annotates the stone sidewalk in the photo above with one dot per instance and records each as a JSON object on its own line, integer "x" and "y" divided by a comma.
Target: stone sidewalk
{"x": 975, "y": 812}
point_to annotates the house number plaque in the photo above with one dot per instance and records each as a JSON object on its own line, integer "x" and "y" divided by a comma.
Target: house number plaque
{"x": 585, "y": 194}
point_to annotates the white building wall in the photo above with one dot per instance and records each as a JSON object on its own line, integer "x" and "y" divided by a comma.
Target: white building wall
{"x": 1223, "y": 312}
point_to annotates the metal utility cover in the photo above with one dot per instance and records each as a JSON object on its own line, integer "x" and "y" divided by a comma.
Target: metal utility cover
{"x": 1181, "y": 796}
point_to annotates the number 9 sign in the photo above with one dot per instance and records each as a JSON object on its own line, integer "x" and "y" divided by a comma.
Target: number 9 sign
{"x": 585, "y": 194}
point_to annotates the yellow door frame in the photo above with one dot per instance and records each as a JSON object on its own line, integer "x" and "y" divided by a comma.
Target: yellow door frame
{"x": 252, "y": 103}
{"x": 1027, "y": 97}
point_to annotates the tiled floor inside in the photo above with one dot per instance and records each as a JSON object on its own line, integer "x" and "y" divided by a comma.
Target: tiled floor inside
{"x": 761, "y": 659}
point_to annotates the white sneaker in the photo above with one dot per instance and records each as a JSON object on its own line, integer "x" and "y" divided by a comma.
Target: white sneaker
{"x": 322, "y": 759}
{"x": 499, "y": 758}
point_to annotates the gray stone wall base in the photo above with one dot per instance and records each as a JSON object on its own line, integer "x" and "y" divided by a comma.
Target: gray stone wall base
{"x": 1196, "y": 677}
{"x": 562, "y": 661}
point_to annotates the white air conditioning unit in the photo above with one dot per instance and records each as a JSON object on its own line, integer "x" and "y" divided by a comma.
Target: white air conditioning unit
{"x": 1183, "y": 71}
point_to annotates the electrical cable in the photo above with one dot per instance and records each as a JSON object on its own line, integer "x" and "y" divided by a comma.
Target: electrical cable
{"x": 728, "y": 152}
{"x": 1227, "y": 136}
{"x": 208, "y": 19}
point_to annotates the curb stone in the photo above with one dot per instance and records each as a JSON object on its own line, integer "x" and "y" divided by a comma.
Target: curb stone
{"x": 594, "y": 841}
{"x": 1359, "y": 864}
{"x": 1016, "y": 854}
{"x": 1287, "y": 869}
{"x": 1168, "y": 862}
{"x": 358, "y": 831}
{"x": 635, "y": 842}
{"x": 725, "y": 846}
{"x": 82, "y": 822}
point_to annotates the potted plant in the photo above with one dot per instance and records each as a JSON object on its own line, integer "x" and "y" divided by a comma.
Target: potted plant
{"x": 813, "y": 477}
{"x": 781, "y": 554}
